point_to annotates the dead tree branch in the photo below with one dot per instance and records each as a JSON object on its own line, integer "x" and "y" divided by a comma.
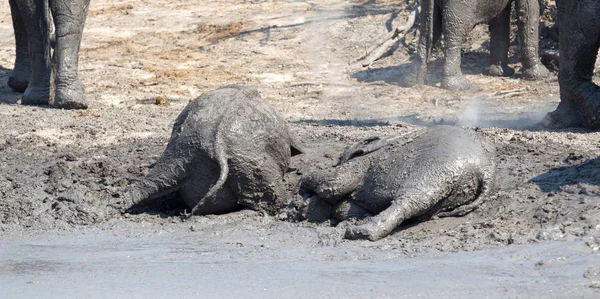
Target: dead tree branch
{"x": 393, "y": 37}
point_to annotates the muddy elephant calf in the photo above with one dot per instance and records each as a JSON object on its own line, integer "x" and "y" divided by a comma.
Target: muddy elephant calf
{"x": 448, "y": 171}
{"x": 228, "y": 150}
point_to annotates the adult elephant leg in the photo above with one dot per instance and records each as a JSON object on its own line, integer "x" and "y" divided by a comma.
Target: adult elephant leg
{"x": 19, "y": 77}
{"x": 418, "y": 71}
{"x": 38, "y": 88}
{"x": 579, "y": 96}
{"x": 69, "y": 18}
{"x": 499, "y": 43}
{"x": 528, "y": 22}
{"x": 455, "y": 32}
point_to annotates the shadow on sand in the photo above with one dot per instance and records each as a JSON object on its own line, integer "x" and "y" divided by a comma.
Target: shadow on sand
{"x": 473, "y": 63}
{"x": 523, "y": 123}
{"x": 587, "y": 172}
{"x": 7, "y": 95}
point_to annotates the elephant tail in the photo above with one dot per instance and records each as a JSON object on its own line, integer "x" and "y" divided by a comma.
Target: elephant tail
{"x": 46, "y": 29}
{"x": 221, "y": 157}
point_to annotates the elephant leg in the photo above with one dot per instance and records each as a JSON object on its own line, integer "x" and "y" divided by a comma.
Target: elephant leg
{"x": 19, "y": 77}
{"x": 332, "y": 185}
{"x": 499, "y": 43}
{"x": 579, "y": 96}
{"x": 437, "y": 26}
{"x": 385, "y": 222}
{"x": 528, "y": 22}
{"x": 452, "y": 77}
{"x": 418, "y": 72}
{"x": 456, "y": 27}
{"x": 38, "y": 88}
{"x": 69, "y": 18}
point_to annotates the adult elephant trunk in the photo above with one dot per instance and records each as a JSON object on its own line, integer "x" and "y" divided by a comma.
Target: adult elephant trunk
{"x": 419, "y": 65}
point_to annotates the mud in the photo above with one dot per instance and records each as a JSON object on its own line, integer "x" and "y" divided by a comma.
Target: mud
{"x": 163, "y": 261}
{"x": 58, "y": 168}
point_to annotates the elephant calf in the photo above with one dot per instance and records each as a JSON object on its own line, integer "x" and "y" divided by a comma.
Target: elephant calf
{"x": 448, "y": 171}
{"x": 228, "y": 150}
{"x": 456, "y": 18}
{"x": 32, "y": 23}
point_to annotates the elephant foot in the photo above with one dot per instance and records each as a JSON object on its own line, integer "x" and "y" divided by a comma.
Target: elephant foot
{"x": 458, "y": 82}
{"x": 19, "y": 77}
{"x": 70, "y": 96}
{"x": 368, "y": 231}
{"x": 558, "y": 120}
{"x": 498, "y": 70}
{"x": 36, "y": 95}
{"x": 568, "y": 115}
{"x": 18, "y": 81}
{"x": 536, "y": 72}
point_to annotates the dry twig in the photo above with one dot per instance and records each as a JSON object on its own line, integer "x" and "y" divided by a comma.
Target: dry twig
{"x": 391, "y": 38}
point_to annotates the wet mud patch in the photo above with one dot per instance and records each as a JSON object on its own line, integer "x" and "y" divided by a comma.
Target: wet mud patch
{"x": 59, "y": 188}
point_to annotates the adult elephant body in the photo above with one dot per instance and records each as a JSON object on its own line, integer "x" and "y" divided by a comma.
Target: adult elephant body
{"x": 32, "y": 21}
{"x": 456, "y": 18}
{"x": 579, "y": 40}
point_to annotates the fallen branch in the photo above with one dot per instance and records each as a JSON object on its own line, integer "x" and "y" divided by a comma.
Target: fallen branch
{"x": 510, "y": 93}
{"x": 391, "y": 38}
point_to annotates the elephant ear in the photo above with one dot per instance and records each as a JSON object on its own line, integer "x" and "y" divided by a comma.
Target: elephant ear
{"x": 362, "y": 148}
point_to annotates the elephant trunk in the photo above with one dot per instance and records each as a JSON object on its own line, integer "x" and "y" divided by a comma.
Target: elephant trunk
{"x": 164, "y": 178}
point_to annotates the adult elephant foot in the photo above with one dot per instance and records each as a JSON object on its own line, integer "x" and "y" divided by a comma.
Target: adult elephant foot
{"x": 570, "y": 115}
{"x": 458, "y": 82}
{"x": 19, "y": 77}
{"x": 499, "y": 70}
{"x": 70, "y": 96}
{"x": 536, "y": 72}
{"x": 36, "y": 95}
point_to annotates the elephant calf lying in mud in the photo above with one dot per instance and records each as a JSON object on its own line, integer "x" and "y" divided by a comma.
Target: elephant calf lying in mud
{"x": 228, "y": 150}
{"x": 448, "y": 171}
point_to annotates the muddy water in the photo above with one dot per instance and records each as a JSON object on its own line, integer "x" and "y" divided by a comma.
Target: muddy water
{"x": 99, "y": 264}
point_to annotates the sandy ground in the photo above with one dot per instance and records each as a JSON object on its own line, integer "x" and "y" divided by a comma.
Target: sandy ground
{"x": 58, "y": 168}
